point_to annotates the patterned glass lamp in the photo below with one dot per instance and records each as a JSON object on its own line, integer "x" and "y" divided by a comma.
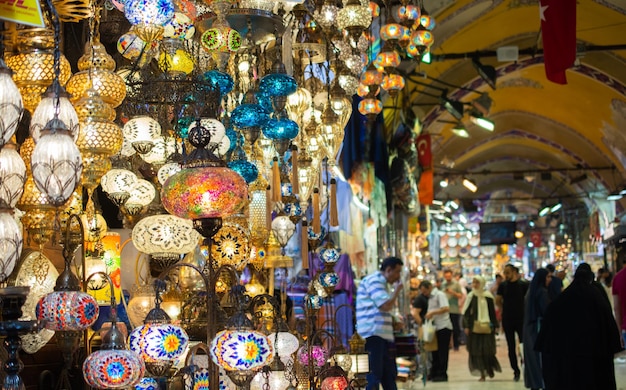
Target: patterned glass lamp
{"x": 148, "y": 17}
{"x": 46, "y": 109}
{"x": 165, "y": 238}
{"x": 205, "y": 190}
{"x": 12, "y": 176}
{"x": 112, "y": 366}
{"x": 11, "y": 106}
{"x": 239, "y": 349}
{"x": 157, "y": 341}
{"x": 67, "y": 310}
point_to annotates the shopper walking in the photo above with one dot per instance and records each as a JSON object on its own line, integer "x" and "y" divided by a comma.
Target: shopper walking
{"x": 453, "y": 292}
{"x": 479, "y": 323}
{"x": 374, "y": 303}
{"x": 535, "y": 307}
{"x": 510, "y": 299}
{"x": 579, "y": 337}
{"x": 438, "y": 312}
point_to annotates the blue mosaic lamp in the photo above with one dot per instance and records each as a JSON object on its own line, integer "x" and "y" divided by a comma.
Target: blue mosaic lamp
{"x": 148, "y": 17}
{"x": 278, "y": 85}
{"x": 249, "y": 115}
{"x": 222, "y": 80}
{"x": 265, "y": 100}
{"x": 233, "y": 136}
{"x": 245, "y": 168}
{"x": 278, "y": 129}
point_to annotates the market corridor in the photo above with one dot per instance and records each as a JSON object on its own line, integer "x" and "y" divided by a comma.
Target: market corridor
{"x": 459, "y": 377}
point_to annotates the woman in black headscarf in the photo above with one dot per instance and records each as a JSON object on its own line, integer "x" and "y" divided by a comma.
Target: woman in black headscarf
{"x": 578, "y": 338}
{"x": 535, "y": 305}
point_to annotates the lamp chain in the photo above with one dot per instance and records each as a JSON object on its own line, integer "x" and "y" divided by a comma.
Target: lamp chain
{"x": 57, "y": 57}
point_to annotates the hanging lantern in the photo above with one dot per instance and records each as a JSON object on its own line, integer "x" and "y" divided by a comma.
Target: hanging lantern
{"x": 392, "y": 32}
{"x": 283, "y": 229}
{"x": 370, "y": 107}
{"x": 141, "y": 132}
{"x": 220, "y": 80}
{"x": 231, "y": 245}
{"x": 165, "y": 238}
{"x": 221, "y": 41}
{"x": 393, "y": 83}
{"x": 278, "y": 85}
{"x": 47, "y": 108}
{"x": 12, "y": 176}
{"x": 11, "y": 106}
{"x": 97, "y": 71}
{"x": 117, "y": 184}
{"x": 174, "y": 60}
{"x": 141, "y": 193}
{"x": 10, "y": 243}
{"x": 148, "y": 17}
{"x": 354, "y": 18}
{"x": 56, "y": 163}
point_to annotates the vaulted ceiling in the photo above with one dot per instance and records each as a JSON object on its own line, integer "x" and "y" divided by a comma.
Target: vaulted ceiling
{"x": 577, "y": 130}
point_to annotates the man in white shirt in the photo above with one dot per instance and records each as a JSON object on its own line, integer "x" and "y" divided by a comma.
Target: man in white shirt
{"x": 438, "y": 312}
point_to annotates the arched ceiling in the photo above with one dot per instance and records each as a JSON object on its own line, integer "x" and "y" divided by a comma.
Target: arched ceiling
{"x": 577, "y": 130}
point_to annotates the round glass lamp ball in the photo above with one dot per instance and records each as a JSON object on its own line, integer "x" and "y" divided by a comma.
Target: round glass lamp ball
{"x": 141, "y": 129}
{"x": 113, "y": 369}
{"x": 329, "y": 280}
{"x": 241, "y": 350}
{"x": 141, "y": 12}
{"x": 330, "y": 254}
{"x": 319, "y": 355}
{"x": 285, "y": 344}
{"x": 12, "y": 176}
{"x": 370, "y": 106}
{"x": 198, "y": 380}
{"x": 278, "y": 84}
{"x": 11, "y": 241}
{"x": 246, "y": 169}
{"x": 210, "y": 192}
{"x": 280, "y": 129}
{"x": 68, "y": 310}
{"x": 249, "y": 115}
{"x": 11, "y": 105}
{"x": 221, "y": 39}
{"x": 215, "y": 128}
{"x": 221, "y": 80}
{"x": 422, "y": 37}
{"x": 158, "y": 342}
{"x": 315, "y": 301}
{"x": 45, "y": 112}
{"x": 165, "y": 233}
{"x": 334, "y": 383}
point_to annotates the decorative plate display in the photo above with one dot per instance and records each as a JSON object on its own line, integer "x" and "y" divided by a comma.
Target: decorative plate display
{"x": 463, "y": 240}
{"x": 464, "y": 252}
{"x": 241, "y": 350}
{"x": 158, "y": 342}
{"x": 474, "y": 241}
{"x": 453, "y": 241}
{"x": 452, "y": 251}
{"x": 35, "y": 270}
{"x": 444, "y": 241}
{"x": 474, "y": 251}
{"x": 113, "y": 369}
{"x": 489, "y": 250}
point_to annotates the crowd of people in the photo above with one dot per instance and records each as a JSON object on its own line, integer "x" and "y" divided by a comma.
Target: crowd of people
{"x": 569, "y": 332}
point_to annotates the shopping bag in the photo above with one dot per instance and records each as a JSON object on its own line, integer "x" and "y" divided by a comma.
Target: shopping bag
{"x": 428, "y": 331}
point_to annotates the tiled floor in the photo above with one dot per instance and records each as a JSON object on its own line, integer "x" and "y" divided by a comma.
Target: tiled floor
{"x": 459, "y": 377}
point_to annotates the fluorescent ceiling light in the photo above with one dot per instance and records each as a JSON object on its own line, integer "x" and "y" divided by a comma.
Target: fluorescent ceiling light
{"x": 427, "y": 58}
{"x": 544, "y": 211}
{"x": 486, "y": 72}
{"x": 460, "y": 132}
{"x": 444, "y": 183}
{"x": 614, "y": 196}
{"x": 453, "y": 204}
{"x": 470, "y": 185}
{"x": 437, "y": 202}
{"x": 462, "y": 218}
{"x": 556, "y": 207}
{"x": 483, "y": 122}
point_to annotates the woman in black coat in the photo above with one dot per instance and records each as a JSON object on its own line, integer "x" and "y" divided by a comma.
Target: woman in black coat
{"x": 579, "y": 337}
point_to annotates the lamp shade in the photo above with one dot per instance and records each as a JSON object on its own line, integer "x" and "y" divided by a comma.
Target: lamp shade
{"x": 11, "y": 106}
{"x": 243, "y": 350}
{"x": 56, "y": 163}
{"x": 318, "y": 357}
{"x": 231, "y": 245}
{"x": 285, "y": 344}
{"x": 147, "y": 383}
{"x": 149, "y": 16}
{"x": 280, "y": 129}
{"x": 370, "y": 106}
{"x": 68, "y": 310}
{"x": 113, "y": 369}
{"x": 11, "y": 241}
{"x": 155, "y": 342}
{"x": 223, "y": 81}
{"x": 141, "y": 132}
{"x": 246, "y": 169}
{"x": 116, "y": 183}
{"x": 45, "y": 112}
{"x": 164, "y": 233}
{"x": 12, "y": 176}
{"x": 392, "y": 31}
{"x": 283, "y": 228}
{"x": 329, "y": 253}
{"x": 215, "y": 128}
{"x": 142, "y": 192}
{"x": 208, "y": 192}
{"x": 278, "y": 84}
{"x": 249, "y": 115}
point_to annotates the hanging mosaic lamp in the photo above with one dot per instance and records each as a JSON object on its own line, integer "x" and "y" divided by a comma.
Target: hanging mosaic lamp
{"x": 393, "y": 83}
{"x": 278, "y": 85}
{"x": 148, "y": 17}
{"x": 221, "y": 41}
{"x": 47, "y": 108}
{"x": 11, "y": 242}
{"x": 355, "y": 18}
{"x": 223, "y": 81}
{"x": 11, "y": 106}
{"x": 370, "y": 107}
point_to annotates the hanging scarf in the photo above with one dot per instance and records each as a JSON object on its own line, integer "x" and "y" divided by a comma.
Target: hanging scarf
{"x": 481, "y": 296}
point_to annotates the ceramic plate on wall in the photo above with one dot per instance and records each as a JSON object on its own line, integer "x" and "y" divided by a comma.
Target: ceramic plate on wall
{"x": 452, "y": 251}
{"x": 463, "y": 241}
{"x": 452, "y": 241}
{"x": 489, "y": 250}
{"x": 464, "y": 252}
{"x": 474, "y": 251}
{"x": 443, "y": 241}
{"x": 474, "y": 241}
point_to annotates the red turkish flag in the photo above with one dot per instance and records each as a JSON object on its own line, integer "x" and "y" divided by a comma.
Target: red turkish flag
{"x": 558, "y": 30}
{"x": 424, "y": 154}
